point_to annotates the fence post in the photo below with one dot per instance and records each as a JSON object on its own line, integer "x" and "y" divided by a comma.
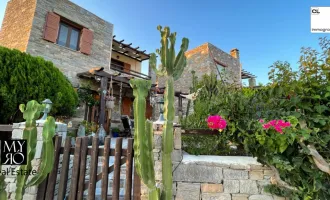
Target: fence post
{"x": 31, "y": 192}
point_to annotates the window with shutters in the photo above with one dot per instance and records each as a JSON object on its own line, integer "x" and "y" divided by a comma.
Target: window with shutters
{"x": 64, "y": 32}
{"x": 68, "y": 36}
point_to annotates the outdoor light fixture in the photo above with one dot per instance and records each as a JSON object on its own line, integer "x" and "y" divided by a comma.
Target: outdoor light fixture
{"x": 160, "y": 122}
{"x": 97, "y": 78}
{"x": 48, "y": 105}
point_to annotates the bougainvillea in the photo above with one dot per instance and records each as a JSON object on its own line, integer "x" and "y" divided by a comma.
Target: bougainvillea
{"x": 278, "y": 125}
{"x": 216, "y": 122}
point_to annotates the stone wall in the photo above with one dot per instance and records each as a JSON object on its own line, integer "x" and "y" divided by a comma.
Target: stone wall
{"x": 31, "y": 192}
{"x": 213, "y": 177}
{"x": 17, "y": 23}
{"x": 69, "y": 61}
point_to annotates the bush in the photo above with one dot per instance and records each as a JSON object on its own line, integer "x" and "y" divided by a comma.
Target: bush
{"x": 24, "y": 77}
{"x": 300, "y": 155}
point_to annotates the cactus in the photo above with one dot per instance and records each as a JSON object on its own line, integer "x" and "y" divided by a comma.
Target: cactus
{"x": 143, "y": 138}
{"x": 172, "y": 67}
{"x": 31, "y": 113}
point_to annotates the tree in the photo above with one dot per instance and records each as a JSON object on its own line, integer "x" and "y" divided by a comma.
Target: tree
{"x": 24, "y": 77}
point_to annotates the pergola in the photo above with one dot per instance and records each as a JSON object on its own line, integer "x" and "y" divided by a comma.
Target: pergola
{"x": 247, "y": 75}
{"x": 126, "y": 49}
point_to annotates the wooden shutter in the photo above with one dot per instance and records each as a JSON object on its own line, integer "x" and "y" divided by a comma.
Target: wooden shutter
{"x": 86, "y": 41}
{"x": 51, "y": 27}
{"x": 126, "y": 106}
{"x": 127, "y": 68}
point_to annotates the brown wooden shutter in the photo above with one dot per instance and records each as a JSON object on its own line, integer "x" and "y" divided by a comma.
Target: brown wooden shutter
{"x": 86, "y": 41}
{"x": 51, "y": 27}
{"x": 127, "y": 68}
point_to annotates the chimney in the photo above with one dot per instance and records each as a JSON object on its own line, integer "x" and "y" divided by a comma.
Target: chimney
{"x": 235, "y": 53}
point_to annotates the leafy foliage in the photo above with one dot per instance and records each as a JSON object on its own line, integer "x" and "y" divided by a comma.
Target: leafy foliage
{"x": 24, "y": 77}
{"x": 301, "y": 97}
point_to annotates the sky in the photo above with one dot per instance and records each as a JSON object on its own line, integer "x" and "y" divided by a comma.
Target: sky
{"x": 263, "y": 31}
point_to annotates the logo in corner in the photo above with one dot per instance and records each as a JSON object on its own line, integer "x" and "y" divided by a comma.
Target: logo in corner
{"x": 315, "y": 10}
{"x": 13, "y": 152}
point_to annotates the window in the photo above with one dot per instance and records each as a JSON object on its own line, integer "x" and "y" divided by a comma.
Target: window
{"x": 68, "y": 36}
{"x": 222, "y": 72}
{"x": 116, "y": 64}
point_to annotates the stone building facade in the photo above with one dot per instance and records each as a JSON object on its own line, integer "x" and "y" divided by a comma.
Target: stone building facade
{"x": 33, "y": 15}
{"x": 208, "y": 59}
{"x": 75, "y": 41}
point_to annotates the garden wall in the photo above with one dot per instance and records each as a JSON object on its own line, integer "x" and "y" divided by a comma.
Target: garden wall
{"x": 213, "y": 177}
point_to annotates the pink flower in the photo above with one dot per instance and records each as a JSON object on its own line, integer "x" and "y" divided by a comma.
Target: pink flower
{"x": 287, "y": 124}
{"x": 216, "y": 122}
{"x": 278, "y": 125}
{"x": 261, "y": 120}
{"x": 266, "y": 126}
{"x": 278, "y": 129}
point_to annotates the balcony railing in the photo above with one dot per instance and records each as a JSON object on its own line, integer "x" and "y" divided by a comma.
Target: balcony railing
{"x": 130, "y": 72}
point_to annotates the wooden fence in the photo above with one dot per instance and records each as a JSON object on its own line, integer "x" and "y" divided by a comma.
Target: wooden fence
{"x": 78, "y": 184}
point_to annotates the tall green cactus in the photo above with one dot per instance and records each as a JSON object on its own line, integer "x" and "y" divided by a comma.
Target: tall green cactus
{"x": 31, "y": 112}
{"x": 172, "y": 67}
{"x": 143, "y": 138}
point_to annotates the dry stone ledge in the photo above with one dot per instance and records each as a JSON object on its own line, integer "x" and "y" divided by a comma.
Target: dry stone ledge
{"x": 216, "y": 196}
{"x": 212, "y": 177}
{"x": 260, "y": 197}
{"x": 188, "y": 191}
{"x": 192, "y": 172}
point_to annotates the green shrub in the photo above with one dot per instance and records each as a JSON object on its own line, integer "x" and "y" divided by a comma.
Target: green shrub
{"x": 24, "y": 77}
{"x": 301, "y": 155}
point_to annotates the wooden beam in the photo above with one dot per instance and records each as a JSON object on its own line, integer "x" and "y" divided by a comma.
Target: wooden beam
{"x": 104, "y": 84}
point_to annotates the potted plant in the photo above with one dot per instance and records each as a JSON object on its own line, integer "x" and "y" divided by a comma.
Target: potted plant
{"x": 109, "y": 101}
{"x": 115, "y": 132}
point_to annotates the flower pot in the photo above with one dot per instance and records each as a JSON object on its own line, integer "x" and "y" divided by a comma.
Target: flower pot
{"x": 110, "y": 104}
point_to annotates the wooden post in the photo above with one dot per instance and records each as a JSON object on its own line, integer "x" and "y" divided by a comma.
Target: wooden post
{"x": 104, "y": 85}
{"x": 180, "y": 105}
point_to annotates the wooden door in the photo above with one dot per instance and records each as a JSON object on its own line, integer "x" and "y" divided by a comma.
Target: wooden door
{"x": 126, "y": 106}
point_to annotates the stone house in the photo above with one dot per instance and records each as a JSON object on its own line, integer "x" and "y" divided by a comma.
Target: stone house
{"x": 208, "y": 59}
{"x": 76, "y": 41}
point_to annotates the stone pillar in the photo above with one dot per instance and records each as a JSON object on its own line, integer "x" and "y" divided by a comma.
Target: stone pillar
{"x": 252, "y": 82}
{"x": 176, "y": 159}
{"x": 31, "y": 192}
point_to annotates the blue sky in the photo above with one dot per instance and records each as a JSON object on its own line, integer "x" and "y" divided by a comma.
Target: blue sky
{"x": 263, "y": 31}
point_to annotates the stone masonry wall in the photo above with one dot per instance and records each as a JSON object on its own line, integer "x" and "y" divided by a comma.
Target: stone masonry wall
{"x": 17, "y": 24}
{"x": 212, "y": 177}
{"x": 233, "y": 69}
{"x": 31, "y": 192}
{"x": 69, "y": 61}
